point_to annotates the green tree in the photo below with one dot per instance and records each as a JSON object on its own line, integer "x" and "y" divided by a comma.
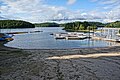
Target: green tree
{"x": 81, "y": 27}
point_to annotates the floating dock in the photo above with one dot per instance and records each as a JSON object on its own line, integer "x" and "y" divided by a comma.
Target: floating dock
{"x": 70, "y": 36}
{"x": 108, "y": 34}
{"x": 23, "y": 32}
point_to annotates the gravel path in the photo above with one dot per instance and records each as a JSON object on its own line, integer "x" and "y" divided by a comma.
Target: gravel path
{"x": 43, "y": 65}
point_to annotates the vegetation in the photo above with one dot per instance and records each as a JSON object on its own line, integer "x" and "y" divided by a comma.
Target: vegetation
{"x": 113, "y": 24}
{"x": 47, "y": 24}
{"x": 15, "y": 24}
{"x": 73, "y": 26}
{"x": 81, "y": 26}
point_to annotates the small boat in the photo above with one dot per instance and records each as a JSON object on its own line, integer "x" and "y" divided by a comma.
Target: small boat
{"x": 75, "y": 37}
{"x": 117, "y": 40}
{"x": 6, "y": 37}
{"x": 59, "y": 36}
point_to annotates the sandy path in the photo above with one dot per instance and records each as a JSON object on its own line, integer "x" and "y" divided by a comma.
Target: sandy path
{"x": 42, "y": 64}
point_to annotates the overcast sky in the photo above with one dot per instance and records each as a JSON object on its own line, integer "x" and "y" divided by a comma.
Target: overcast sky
{"x": 61, "y": 10}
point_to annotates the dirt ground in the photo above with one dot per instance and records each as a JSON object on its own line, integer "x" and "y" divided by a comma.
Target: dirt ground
{"x": 64, "y": 64}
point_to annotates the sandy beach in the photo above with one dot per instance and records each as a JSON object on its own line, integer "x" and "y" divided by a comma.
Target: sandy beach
{"x": 64, "y": 64}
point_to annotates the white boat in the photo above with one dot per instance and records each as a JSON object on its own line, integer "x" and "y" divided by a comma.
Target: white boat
{"x": 72, "y": 35}
{"x": 75, "y": 37}
{"x": 59, "y": 36}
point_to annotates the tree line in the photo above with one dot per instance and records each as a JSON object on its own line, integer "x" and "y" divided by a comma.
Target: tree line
{"x": 113, "y": 24}
{"x": 76, "y": 26}
{"x": 15, "y": 24}
{"x": 47, "y": 24}
{"x": 67, "y": 26}
{"x": 71, "y": 25}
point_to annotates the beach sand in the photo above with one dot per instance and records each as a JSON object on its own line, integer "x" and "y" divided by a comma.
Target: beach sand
{"x": 64, "y": 64}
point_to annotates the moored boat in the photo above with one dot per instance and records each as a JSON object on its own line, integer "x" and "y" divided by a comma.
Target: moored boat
{"x": 70, "y": 36}
{"x": 59, "y": 36}
{"x": 75, "y": 37}
{"x": 6, "y": 37}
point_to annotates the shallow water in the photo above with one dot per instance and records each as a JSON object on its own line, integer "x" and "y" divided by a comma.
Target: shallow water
{"x": 43, "y": 40}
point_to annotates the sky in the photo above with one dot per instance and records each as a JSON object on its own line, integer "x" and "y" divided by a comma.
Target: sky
{"x": 38, "y": 11}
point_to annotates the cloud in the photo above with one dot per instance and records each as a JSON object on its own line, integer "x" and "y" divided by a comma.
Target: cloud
{"x": 110, "y": 10}
{"x": 30, "y": 10}
{"x": 2, "y": 18}
{"x": 109, "y": 4}
{"x": 38, "y": 11}
{"x": 70, "y": 2}
{"x": 108, "y": 1}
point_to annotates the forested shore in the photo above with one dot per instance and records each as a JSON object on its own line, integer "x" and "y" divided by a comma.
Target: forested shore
{"x": 73, "y": 26}
{"x": 15, "y": 24}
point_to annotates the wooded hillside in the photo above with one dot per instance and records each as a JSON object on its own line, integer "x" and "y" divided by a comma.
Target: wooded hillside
{"x": 15, "y": 24}
{"x": 114, "y": 24}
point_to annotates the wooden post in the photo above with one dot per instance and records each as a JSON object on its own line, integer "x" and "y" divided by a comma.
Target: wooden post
{"x": 89, "y": 31}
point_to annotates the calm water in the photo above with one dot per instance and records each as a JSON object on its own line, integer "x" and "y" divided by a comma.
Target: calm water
{"x": 43, "y": 40}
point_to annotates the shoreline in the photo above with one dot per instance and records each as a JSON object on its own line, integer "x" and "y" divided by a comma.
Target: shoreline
{"x": 6, "y": 47}
{"x": 113, "y": 46}
{"x": 60, "y": 64}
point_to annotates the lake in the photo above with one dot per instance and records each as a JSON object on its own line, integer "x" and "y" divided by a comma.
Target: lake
{"x": 43, "y": 40}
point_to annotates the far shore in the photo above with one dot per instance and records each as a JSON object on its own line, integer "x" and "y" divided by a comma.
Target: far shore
{"x": 60, "y": 64}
